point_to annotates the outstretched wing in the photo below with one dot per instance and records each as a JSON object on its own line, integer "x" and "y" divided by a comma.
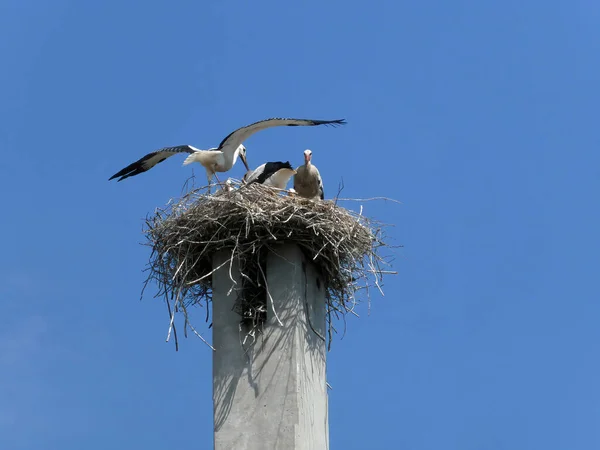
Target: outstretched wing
{"x": 150, "y": 160}
{"x": 241, "y": 134}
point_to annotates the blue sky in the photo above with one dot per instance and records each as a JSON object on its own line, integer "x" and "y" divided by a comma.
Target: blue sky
{"x": 481, "y": 117}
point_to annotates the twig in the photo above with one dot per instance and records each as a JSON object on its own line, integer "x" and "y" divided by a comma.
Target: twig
{"x": 343, "y": 244}
{"x": 172, "y": 326}
{"x": 269, "y": 294}
{"x": 369, "y": 199}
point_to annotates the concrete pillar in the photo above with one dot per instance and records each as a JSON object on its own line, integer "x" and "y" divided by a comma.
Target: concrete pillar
{"x": 271, "y": 394}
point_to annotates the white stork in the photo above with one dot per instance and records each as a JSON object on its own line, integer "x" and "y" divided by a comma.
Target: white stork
{"x": 276, "y": 174}
{"x": 307, "y": 181}
{"x": 222, "y": 158}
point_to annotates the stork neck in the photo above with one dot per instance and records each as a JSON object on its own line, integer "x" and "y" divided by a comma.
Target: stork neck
{"x": 230, "y": 157}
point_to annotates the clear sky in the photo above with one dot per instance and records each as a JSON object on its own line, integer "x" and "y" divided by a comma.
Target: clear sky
{"x": 481, "y": 117}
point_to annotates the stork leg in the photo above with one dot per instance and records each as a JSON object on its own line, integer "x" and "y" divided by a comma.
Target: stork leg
{"x": 209, "y": 175}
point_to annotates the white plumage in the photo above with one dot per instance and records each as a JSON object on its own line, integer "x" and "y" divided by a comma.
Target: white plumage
{"x": 212, "y": 160}
{"x": 276, "y": 174}
{"x": 222, "y": 158}
{"x": 307, "y": 181}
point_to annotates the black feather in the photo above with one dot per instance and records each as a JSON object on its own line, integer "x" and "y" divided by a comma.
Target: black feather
{"x": 140, "y": 165}
{"x": 272, "y": 168}
{"x": 311, "y": 122}
{"x": 133, "y": 168}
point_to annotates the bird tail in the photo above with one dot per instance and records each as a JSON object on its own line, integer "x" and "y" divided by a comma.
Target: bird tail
{"x": 192, "y": 158}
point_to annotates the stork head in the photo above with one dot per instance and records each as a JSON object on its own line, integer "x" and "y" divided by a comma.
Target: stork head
{"x": 242, "y": 153}
{"x": 307, "y": 156}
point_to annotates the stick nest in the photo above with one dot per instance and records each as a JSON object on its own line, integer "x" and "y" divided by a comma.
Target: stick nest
{"x": 250, "y": 220}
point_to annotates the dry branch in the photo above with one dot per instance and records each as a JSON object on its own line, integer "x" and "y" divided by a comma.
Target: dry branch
{"x": 250, "y": 219}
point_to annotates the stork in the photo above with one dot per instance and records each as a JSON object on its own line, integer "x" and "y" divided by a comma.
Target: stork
{"x": 213, "y": 160}
{"x": 307, "y": 181}
{"x": 276, "y": 174}
{"x": 222, "y": 158}
{"x": 228, "y": 187}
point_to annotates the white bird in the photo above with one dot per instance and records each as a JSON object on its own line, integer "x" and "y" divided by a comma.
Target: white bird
{"x": 222, "y": 158}
{"x": 228, "y": 185}
{"x": 213, "y": 160}
{"x": 307, "y": 181}
{"x": 276, "y": 174}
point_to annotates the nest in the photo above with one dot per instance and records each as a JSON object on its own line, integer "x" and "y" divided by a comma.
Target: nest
{"x": 250, "y": 219}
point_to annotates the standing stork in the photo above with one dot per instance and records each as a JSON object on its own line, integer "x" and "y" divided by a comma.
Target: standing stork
{"x": 222, "y": 158}
{"x": 276, "y": 174}
{"x": 307, "y": 181}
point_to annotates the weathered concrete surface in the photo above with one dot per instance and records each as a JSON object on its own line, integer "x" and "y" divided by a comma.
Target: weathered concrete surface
{"x": 271, "y": 394}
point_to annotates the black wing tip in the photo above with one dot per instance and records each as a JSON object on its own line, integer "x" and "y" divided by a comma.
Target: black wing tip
{"x": 332, "y": 123}
{"x": 337, "y": 122}
{"x": 129, "y": 171}
{"x": 116, "y": 175}
{"x": 138, "y": 167}
{"x": 124, "y": 173}
{"x": 122, "y": 177}
{"x": 311, "y": 121}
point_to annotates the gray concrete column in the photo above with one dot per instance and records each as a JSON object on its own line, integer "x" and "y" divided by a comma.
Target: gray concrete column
{"x": 271, "y": 394}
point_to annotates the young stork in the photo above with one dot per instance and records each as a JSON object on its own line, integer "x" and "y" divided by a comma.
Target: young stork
{"x": 276, "y": 174}
{"x": 307, "y": 181}
{"x": 222, "y": 158}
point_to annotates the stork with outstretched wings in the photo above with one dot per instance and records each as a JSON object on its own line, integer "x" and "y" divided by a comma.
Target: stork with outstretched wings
{"x": 222, "y": 158}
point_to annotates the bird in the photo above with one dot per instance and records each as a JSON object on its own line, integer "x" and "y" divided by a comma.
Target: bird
{"x": 228, "y": 187}
{"x": 221, "y": 158}
{"x": 213, "y": 160}
{"x": 307, "y": 181}
{"x": 276, "y": 174}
